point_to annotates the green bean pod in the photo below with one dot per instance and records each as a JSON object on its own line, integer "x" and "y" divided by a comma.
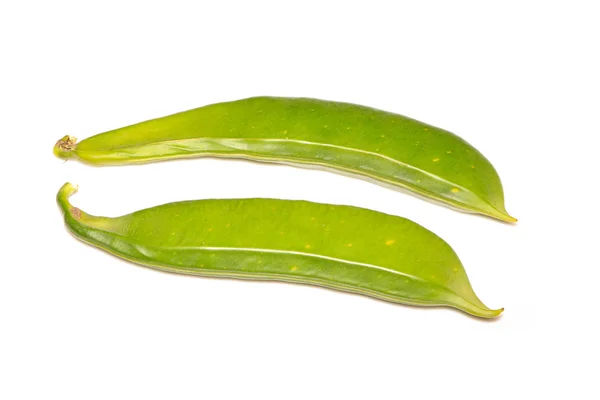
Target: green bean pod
{"x": 363, "y": 141}
{"x": 339, "y": 247}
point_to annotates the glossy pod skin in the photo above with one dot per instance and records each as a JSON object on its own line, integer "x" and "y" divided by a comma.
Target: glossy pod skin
{"x": 339, "y": 247}
{"x": 359, "y": 140}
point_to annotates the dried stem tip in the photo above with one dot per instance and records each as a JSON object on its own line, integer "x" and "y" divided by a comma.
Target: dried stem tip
{"x": 65, "y": 146}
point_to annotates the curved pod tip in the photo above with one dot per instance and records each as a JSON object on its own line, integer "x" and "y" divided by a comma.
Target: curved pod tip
{"x": 68, "y": 189}
{"x": 504, "y": 216}
{"x": 487, "y": 313}
{"x": 63, "y": 195}
{"x": 474, "y": 306}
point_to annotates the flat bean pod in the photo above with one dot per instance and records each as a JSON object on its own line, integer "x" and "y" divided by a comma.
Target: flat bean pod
{"x": 339, "y": 247}
{"x": 371, "y": 143}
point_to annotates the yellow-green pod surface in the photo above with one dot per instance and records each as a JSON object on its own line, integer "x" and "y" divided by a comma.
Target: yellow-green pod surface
{"x": 386, "y": 147}
{"x": 339, "y": 247}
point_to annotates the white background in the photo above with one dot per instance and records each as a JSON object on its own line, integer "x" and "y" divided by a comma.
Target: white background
{"x": 518, "y": 79}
